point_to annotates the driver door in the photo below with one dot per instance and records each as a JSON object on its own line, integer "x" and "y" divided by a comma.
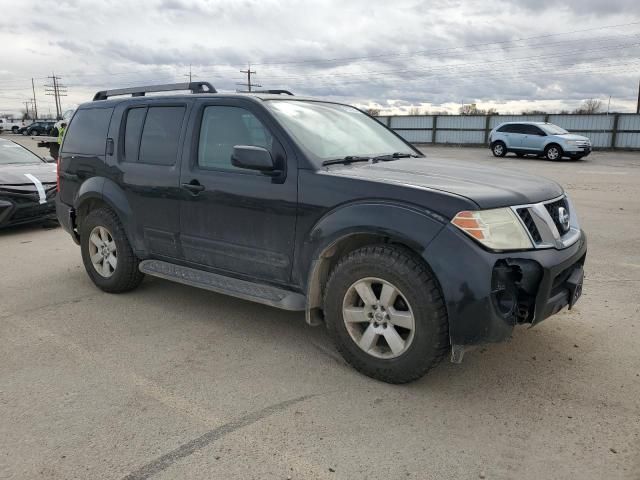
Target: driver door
{"x": 233, "y": 219}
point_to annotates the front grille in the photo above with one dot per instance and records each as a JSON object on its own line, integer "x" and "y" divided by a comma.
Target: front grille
{"x": 552, "y": 208}
{"x": 526, "y": 217}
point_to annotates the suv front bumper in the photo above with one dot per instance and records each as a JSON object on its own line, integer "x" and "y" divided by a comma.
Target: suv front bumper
{"x": 488, "y": 293}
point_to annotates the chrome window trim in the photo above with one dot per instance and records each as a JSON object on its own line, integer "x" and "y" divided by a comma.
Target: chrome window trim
{"x": 549, "y": 234}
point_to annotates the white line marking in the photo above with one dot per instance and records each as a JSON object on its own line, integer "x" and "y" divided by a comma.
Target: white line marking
{"x": 39, "y": 187}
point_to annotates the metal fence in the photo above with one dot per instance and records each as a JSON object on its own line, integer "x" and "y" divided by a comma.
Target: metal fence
{"x": 614, "y": 131}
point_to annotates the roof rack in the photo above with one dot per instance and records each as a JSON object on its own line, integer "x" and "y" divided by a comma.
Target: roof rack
{"x": 273, "y": 92}
{"x": 195, "y": 87}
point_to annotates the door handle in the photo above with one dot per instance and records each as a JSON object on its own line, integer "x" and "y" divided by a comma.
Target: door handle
{"x": 193, "y": 186}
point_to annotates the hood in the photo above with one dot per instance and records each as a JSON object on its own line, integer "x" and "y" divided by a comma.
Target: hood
{"x": 486, "y": 186}
{"x": 15, "y": 174}
{"x": 571, "y": 136}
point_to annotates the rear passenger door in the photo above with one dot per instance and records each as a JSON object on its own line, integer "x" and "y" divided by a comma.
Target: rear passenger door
{"x": 516, "y": 132}
{"x": 150, "y": 139}
{"x": 241, "y": 221}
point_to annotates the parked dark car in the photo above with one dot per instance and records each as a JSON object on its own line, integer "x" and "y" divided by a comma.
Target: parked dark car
{"x": 38, "y": 128}
{"x": 27, "y": 186}
{"x": 314, "y": 206}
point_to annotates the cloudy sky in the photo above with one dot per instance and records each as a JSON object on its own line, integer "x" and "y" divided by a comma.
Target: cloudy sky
{"x": 506, "y": 54}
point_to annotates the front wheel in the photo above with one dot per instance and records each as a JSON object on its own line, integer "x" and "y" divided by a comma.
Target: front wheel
{"x": 553, "y": 152}
{"x": 499, "y": 149}
{"x": 386, "y": 314}
{"x": 35, "y": 132}
{"x": 107, "y": 254}
{"x": 14, "y": 130}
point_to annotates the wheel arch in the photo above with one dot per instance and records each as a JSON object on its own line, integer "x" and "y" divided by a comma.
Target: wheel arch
{"x": 377, "y": 223}
{"x": 100, "y": 192}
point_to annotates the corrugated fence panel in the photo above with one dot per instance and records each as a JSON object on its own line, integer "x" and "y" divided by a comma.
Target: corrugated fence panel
{"x": 418, "y": 121}
{"x": 459, "y": 136}
{"x": 498, "y": 119}
{"x": 629, "y": 122}
{"x": 470, "y": 129}
{"x": 414, "y": 136}
{"x": 573, "y": 123}
{"x": 382, "y": 120}
{"x": 461, "y": 122}
{"x": 628, "y": 140}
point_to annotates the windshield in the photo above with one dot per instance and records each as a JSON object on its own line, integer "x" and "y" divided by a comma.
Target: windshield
{"x": 13, "y": 153}
{"x": 330, "y": 131}
{"x": 552, "y": 129}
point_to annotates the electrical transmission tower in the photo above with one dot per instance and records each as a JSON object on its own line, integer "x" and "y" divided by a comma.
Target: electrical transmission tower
{"x": 58, "y": 90}
{"x": 248, "y": 71}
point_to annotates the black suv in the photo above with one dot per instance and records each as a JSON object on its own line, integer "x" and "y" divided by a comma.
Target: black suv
{"x": 314, "y": 206}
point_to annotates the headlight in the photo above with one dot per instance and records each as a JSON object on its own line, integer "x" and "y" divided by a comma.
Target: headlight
{"x": 497, "y": 229}
{"x": 575, "y": 142}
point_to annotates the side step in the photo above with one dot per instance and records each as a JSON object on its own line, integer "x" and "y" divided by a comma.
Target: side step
{"x": 255, "y": 292}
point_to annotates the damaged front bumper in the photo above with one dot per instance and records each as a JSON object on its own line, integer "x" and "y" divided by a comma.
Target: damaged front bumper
{"x": 487, "y": 294}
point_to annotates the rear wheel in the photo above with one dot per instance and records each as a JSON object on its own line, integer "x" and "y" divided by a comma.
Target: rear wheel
{"x": 499, "y": 149}
{"x": 553, "y": 152}
{"x": 35, "y": 132}
{"x": 107, "y": 254}
{"x": 385, "y": 312}
{"x": 15, "y": 130}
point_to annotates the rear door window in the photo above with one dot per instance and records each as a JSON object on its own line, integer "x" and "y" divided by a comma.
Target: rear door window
{"x": 87, "y": 133}
{"x": 160, "y": 135}
{"x": 132, "y": 132}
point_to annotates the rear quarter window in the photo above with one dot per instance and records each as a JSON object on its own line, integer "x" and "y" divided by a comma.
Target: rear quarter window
{"x": 87, "y": 133}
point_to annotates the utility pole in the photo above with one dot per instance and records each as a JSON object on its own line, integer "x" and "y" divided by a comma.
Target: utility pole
{"x": 248, "y": 71}
{"x": 189, "y": 74}
{"x": 26, "y": 107}
{"x": 35, "y": 105}
{"x": 57, "y": 90}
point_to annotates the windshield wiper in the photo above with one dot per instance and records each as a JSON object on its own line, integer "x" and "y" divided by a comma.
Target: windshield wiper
{"x": 346, "y": 160}
{"x": 355, "y": 158}
{"x": 393, "y": 156}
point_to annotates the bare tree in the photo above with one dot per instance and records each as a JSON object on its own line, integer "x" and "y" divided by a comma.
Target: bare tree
{"x": 374, "y": 112}
{"x": 589, "y": 107}
{"x": 415, "y": 111}
{"x": 533, "y": 112}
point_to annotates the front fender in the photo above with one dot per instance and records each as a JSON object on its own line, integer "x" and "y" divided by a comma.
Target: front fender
{"x": 406, "y": 224}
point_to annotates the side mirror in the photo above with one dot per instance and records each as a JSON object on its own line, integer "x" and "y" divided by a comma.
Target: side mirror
{"x": 252, "y": 158}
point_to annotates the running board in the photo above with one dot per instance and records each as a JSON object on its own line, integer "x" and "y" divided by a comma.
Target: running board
{"x": 255, "y": 292}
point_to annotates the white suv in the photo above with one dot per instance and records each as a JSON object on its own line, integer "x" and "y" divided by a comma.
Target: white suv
{"x": 538, "y": 138}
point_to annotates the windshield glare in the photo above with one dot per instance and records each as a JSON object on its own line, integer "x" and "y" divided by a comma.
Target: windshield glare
{"x": 552, "y": 129}
{"x": 330, "y": 131}
{"x": 13, "y": 153}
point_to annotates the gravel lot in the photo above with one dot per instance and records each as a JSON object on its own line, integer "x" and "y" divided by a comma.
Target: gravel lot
{"x": 174, "y": 382}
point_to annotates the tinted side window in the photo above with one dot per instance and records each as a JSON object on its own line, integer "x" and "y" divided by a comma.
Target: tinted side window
{"x": 160, "y": 135}
{"x": 133, "y": 129}
{"x": 87, "y": 133}
{"x": 225, "y": 127}
{"x": 517, "y": 128}
{"x": 505, "y": 128}
{"x": 532, "y": 130}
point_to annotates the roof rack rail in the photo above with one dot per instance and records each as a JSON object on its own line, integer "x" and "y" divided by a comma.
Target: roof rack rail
{"x": 195, "y": 87}
{"x": 274, "y": 92}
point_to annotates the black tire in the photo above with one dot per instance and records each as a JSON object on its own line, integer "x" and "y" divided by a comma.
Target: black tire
{"x": 417, "y": 284}
{"x": 25, "y": 133}
{"x": 499, "y": 149}
{"x": 35, "y": 132}
{"x": 126, "y": 275}
{"x": 14, "y": 130}
{"x": 553, "y": 152}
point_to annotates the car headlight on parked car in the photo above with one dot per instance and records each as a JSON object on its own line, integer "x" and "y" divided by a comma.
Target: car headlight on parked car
{"x": 575, "y": 142}
{"x": 497, "y": 229}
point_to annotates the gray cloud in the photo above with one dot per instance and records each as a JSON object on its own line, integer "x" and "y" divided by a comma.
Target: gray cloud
{"x": 406, "y": 52}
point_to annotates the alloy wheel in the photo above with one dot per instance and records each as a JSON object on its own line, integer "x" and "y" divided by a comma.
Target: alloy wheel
{"x": 378, "y": 318}
{"x": 103, "y": 252}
